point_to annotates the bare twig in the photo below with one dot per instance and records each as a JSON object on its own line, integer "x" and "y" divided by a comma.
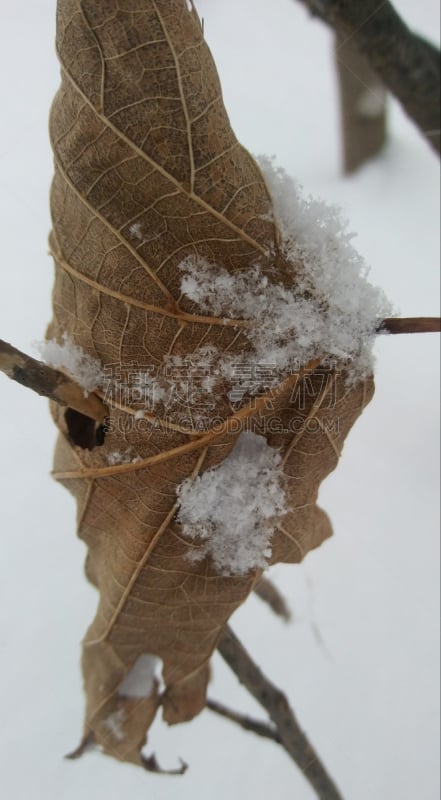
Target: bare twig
{"x": 49, "y": 382}
{"x": 292, "y": 738}
{"x": 269, "y": 593}
{"x": 410, "y": 325}
{"x": 245, "y": 722}
{"x": 407, "y": 64}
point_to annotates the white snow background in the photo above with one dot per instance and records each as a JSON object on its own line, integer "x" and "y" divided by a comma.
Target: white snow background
{"x": 360, "y": 660}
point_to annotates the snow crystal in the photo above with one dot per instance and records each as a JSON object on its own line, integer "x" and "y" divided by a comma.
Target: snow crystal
{"x": 140, "y": 681}
{"x": 152, "y": 389}
{"x": 230, "y": 509}
{"x": 332, "y": 310}
{"x": 114, "y": 724}
{"x": 191, "y": 379}
{"x": 136, "y": 230}
{"x": 83, "y": 368}
{"x": 126, "y": 457}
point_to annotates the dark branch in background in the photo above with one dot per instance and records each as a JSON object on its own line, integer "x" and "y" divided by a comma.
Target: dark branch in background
{"x": 292, "y": 738}
{"x": 407, "y": 64}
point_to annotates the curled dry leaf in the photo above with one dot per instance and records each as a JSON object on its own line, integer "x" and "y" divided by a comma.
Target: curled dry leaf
{"x": 148, "y": 173}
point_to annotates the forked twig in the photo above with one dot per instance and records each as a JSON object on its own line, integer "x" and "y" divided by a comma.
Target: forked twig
{"x": 244, "y": 721}
{"x": 292, "y": 738}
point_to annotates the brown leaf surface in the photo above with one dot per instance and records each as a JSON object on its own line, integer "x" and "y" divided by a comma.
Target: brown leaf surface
{"x": 147, "y": 172}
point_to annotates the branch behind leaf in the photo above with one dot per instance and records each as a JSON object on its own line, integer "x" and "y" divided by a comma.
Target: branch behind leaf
{"x": 407, "y": 63}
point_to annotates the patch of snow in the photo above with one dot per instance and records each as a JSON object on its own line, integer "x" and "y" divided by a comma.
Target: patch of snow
{"x": 189, "y": 379}
{"x": 150, "y": 388}
{"x": 331, "y": 311}
{"x": 140, "y": 681}
{"x": 114, "y": 724}
{"x": 82, "y": 367}
{"x": 122, "y": 458}
{"x": 196, "y": 380}
{"x": 372, "y": 102}
{"x": 136, "y": 230}
{"x": 231, "y": 509}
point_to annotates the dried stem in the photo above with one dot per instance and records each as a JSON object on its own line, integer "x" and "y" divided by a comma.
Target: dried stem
{"x": 292, "y": 738}
{"x": 411, "y": 325}
{"x": 245, "y": 722}
{"x": 269, "y": 593}
{"x": 49, "y": 382}
{"x": 408, "y": 65}
{"x": 362, "y": 104}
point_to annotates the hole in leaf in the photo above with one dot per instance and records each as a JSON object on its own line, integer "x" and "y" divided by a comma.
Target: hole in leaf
{"x": 100, "y": 433}
{"x": 83, "y": 431}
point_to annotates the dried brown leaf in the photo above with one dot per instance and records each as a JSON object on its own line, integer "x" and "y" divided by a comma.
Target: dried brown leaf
{"x": 142, "y": 143}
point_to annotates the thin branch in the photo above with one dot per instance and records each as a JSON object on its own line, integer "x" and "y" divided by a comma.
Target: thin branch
{"x": 49, "y": 382}
{"x": 269, "y": 593}
{"x": 245, "y": 722}
{"x": 408, "y": 64}
{"x": 292, "y": 738}
{"x": 411, "y": 325}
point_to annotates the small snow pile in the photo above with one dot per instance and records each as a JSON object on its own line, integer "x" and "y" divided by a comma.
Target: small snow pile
{"x": 126, "y": 457}
{"x": 83, "y": 368}
{"x": 331, "y": 311}
{"x": 136, "y": 230}
{"x": 372, "y": 103}
{"x": 231, "y": 508}
{"x": 114, "y": 724}
{"x": 191, "y": 377}
{"x": 140, "y": 681}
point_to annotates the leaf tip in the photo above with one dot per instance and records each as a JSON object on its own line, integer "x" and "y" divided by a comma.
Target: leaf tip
{"x": 87, "y": 743}
{"x": 151, "y": 764}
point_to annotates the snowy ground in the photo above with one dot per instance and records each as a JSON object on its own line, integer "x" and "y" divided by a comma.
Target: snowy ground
{"x": 360, "y": 661}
